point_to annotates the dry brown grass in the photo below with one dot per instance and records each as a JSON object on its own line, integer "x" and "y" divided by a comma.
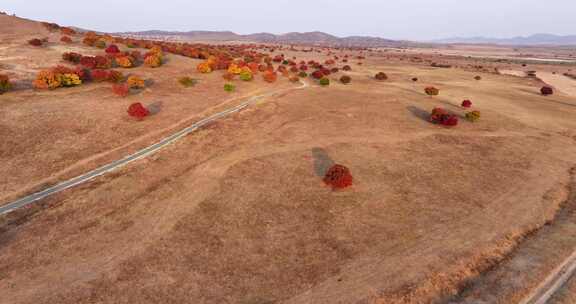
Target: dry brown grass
{"x": 238, "y": 212}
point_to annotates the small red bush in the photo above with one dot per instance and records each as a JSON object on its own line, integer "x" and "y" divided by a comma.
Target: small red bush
{"x": 35, "y": 42}
{"x": 103, "y": 62}
{"x": 317, "y": 75}
{"x": 431, "y": 91}
{"x": 72, "y": 57}
{"x": 138, "y": 111}
{"x": 338, "y": 177}
{"x": 66, "y": 39}
{"x": 345, "y": 79}
{"x": 67, "y": 31}
{"x": 121, "y": 89}
{"x": 546, "y": 90}
{"x": 100, "y": 75}
{"x": 115, "y": 76}
{"x": 270, "y": 76}
{"x": 466, "y": 103}
{"x": 112, "y": 49}
{"x": 442, "y": 117}
{"x": 381, "y": 76}
{"x": 88, "y": 61}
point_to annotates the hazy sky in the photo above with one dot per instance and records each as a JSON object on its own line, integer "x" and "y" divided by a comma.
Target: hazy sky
{"x": 399, "y": 19}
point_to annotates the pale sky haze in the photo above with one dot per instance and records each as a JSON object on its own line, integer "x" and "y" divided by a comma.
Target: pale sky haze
{"x": 400, "y": 19}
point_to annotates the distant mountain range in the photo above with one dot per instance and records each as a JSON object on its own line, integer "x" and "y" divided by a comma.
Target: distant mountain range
{"x": 537, "y": 39}
{"x": 308, "y": 38}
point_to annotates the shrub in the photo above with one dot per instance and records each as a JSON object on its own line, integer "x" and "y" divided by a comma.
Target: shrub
{"x": 138, "y": 111}
{"x": 103, "y": 62}
{"x": 317, "y": 75}
{"x": 187, "y": 81}
{"x": 228, "y": 76}
{"x": 136, "y": 55}
{"x": 303, "y": 68}
{"x": 228, "y": 87}
{"x": 112, "y": 49}
{"x": 121, "y": 89}
{"x": 115, "y": 76}
{"x": 72, "y": 57}
{"x": 36, "y": 42}
{"x": 302, "y": 74}
{"x": 65, "y": 39}
{"x": 153, "y": 60}
{"x": 338, "y": 177}
{"x": 473, "y": 116}
{"x": 67, "y": 31}
{"x": 415, "y": 79}
{"x": 282, "y": 69}
{"x": 294, "y": 78}
{"x": 88, "y": 61}
{"x": 51, "y": 26}
{"x": 478, "y": 77}
{"x": 466, "y": 103}
{"x": 48, "y": 79}
{"x": 442, "y": 117}
{"x": 83, "y": 73}
{"x": 270, "y": 76}
{"x": 324, "y": 82}
{"x": 345, "y": 79}
{"x": 101, "y": 44}
{"x": 70, "y": 80}
{"x": 431, "y": 91}
{"x": 246, "y": 74}
{"x": 234, "y": 69}
{"x": 125, "y": 61}
{"x": 5, "y": 84}
{"x": 546, "y": 90}
{"x": 89, "y": 41}
{"x": 253, "y": 66}
{"x": 381, "y": 76}
{"x": 347, "y": 68}
{"x": 204, "y": 68}
{"x": 334, "y": 70}
{"x": 135, "y": 82}
{"x": 100, "y": 75}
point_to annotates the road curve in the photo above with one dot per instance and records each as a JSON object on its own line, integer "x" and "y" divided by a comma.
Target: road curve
{"x": 29, "y": 199}
{"x": 553, "y": 282}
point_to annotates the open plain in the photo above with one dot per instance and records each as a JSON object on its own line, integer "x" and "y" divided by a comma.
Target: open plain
{"x": 237, "y": 212}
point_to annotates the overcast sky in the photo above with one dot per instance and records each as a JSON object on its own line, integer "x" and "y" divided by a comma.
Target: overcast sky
{"x": 399, "y": 19}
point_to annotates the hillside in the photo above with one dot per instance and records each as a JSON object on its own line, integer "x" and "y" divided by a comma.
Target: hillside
{"x": 16, "y": 27}
{"x": 308, "y": 38}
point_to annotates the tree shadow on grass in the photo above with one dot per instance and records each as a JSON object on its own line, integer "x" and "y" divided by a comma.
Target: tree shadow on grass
{"x": 322, "y": 161}
{"x": 149, "y": 82}
{"x": 155, "y": 107}
{"x": 419, "y": 113}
